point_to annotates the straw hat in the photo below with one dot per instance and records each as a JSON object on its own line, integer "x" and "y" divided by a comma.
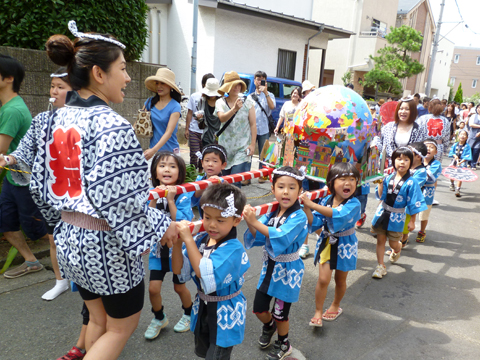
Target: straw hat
{"x": 307, "y": 85}
{"x": 381, "y": 101}
{"x": 231, "y": 79}
{"x": 211, "y": 88}
{"x": 164, "y": 75}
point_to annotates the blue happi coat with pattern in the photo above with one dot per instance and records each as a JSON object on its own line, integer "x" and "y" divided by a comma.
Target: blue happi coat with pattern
{"x": 281, "y": 280}
{"x": 222, "y": 271}
{"x": 434, "y": 169}
{"x": 86, "y": 158}
{"x": 344, "y": 218}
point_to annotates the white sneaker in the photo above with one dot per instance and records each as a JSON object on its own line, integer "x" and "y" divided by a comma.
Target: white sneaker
{"x": 394, "y": 256}
{"x": 379, "y": 272}
{"x": 304, "y": 251}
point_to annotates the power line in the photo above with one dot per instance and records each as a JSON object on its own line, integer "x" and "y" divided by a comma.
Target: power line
{"x": 461, "y": 17}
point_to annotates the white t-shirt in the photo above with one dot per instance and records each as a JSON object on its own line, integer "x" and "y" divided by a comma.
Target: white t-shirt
{"x": 192, "y": 105}
{"x": 401, "y": 139}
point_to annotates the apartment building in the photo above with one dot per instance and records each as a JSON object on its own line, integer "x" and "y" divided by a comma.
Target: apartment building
{"x": 465, "y": 69}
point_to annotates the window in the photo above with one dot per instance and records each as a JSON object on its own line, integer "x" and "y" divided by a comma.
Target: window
{"x": 474, "y": 83}
{"x": 274, "y": 88}
{"x": 286, "y": 64}
{"x": 246, "y": 81}
{"x": 287, "y": 90}
{"x": 379, "y": 27}
{"x": 456, "y": 58}
{"x": 478, "y": 60}
{"x": 452, "y": 81}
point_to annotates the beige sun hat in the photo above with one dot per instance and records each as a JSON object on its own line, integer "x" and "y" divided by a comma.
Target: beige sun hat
{"x": 231, "y": 79}
{"x": 164, "y": 75}
{"x": 307, "y": 85}
{"x": 211, "y": 88}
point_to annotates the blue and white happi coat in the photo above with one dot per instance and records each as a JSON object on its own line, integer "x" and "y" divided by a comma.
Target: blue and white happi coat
{"x": 465, "y": 154}
{"x": 343, "y": 218}
{"x": 409, "y": 197}
{"x": 434, "y": 169}
{"x": 281, "y": 280}
{"x": 222, "y": 269}
{"x": 86, "y": 158}
{"x": 160, "y": 257}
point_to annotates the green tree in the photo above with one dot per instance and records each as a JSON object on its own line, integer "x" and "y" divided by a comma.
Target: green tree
{"x": 459, "y": 94}
{"x": 394, "y": 62}
{"x": 346, "y": 78}
{"x": 29, "y": 23}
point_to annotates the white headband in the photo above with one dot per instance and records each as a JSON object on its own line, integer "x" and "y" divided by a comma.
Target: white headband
{"x": 405, "y": 147}
{"x": 287, "y": 173}
{"x": 342, "y": 174}
{"x": 200, "y": 154}
{"x": 416, "y": 152}
{"x": 72, "y": 26}
{"x": 432, "y": 143}
{"x": 229, "y": 211}
{"x": 408, "y": 98}
{"x": 58, "y": 75}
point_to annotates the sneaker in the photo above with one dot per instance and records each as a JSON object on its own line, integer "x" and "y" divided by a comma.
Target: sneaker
{"x": 361, "y": 221}
{"x": 420, "y": 237}
{"x": 452, "y": 187}
{"x": 394, "y": 256}
{"x": 245, "y": 182}
{"x": 435, "y": 202}
{"x": 474, "y": 168}
{"x": 183, "y": 324}
{"x": 280, "y": 351}
{"x": 73, "y": 354}
{"x": 21, "y": 270}
{"x": 380, "y": 271}
{"x": 262, "y": 179}
{"x": 457, "y": 192}
{"x": 154, "y": 328}
{"x": 266, "y": 338}
{"x": 304, "y": 251}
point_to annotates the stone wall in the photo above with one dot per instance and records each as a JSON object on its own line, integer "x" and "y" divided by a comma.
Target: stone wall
{"x": 36, "y": 85}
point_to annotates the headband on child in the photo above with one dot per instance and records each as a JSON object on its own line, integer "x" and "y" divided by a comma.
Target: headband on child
{"x": 72, "y": 26}
{"x": 200, "y": 154}
{"x": 407, "y": 98}
{"x": 343, "y": 174}
{"x": 416, "y": 152}
{"x": 288, "y": 173}
{"x": 58, "y": 75}
{"x": 405, "y": 147}
{"x": 230, "y": 211}
{"x": 431, "y": 143}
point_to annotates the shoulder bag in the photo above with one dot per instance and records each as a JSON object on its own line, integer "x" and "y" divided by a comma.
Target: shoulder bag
{"x": 271, "y": 121}
{"x": 143, "y": 123}
{"x": 217, "y": 135}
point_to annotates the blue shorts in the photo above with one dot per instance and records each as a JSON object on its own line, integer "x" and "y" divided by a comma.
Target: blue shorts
{"x": 18, "y": 209}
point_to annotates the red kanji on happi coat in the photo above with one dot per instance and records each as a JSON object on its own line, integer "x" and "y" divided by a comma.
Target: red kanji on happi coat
{"x": 435, "y": 127}
{"x": 65, "y": 163}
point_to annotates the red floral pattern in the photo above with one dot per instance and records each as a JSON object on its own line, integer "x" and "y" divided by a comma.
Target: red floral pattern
{"x": 65, "y": 163}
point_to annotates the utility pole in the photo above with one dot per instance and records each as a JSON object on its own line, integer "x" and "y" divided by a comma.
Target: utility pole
{"x": 193, "y": 73}
{"x": 434, "y": 51}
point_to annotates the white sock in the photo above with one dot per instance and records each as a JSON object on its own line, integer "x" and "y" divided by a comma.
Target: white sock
{"x": 60, "y": 287}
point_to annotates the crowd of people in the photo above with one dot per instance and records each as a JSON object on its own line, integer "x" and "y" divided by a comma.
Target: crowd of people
{"x": 89, "y": 192}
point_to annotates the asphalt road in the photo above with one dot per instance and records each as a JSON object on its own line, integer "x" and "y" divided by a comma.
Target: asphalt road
{"x": 427, "y": 307}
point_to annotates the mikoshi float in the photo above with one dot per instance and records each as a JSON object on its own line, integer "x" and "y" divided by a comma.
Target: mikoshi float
{"x": 332, "y": 124}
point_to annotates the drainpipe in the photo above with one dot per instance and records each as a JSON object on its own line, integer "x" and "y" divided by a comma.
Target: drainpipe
{"x": 154, "y": 41}
{"x": 193, "y": 74}
{"x": 308, "y": 50}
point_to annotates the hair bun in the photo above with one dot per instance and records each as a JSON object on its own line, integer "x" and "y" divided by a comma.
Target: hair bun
{"x": 60, "y": 50}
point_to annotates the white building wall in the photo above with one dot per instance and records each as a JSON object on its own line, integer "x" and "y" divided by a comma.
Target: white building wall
{"x": 247, "y": 44}
{"x": 205, "y": 44}
{"x": 441, "y": 71}
{"x": 298, "y": 8}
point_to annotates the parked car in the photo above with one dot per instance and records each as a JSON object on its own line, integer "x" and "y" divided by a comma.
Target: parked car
{"x": 280, "y": 88}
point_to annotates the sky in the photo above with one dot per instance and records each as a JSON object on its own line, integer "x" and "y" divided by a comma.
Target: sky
{"x": 458, "y": 33}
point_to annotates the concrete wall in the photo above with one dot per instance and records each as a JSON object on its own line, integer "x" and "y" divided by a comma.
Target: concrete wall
{"x": 36, "y": 85}
{"x": 441, "y": 71}
{"x": 466, "y": 70}
{"x": 246, "y": 44}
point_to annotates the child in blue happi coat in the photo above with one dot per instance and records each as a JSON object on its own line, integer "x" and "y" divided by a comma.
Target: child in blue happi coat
{"x": 419, "y": 173}
{"x": 217, "y": 262}
{"x": 398, "y": 192}
{"x": 434, "y": 169}
{"x": 168, "y": 170}
{"x": 337, "y": 246}
{"x": 213, "y": 159}
{"x": 462, "y": 154}
{"x": 281, "y": 234}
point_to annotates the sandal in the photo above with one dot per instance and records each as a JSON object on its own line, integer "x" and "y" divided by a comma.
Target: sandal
{"x": 404, "y": 243}
{"x": 317, "y": 322}
{"x": 336, "y": 313}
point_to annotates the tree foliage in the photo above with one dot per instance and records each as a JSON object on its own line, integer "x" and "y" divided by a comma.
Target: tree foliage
{"x": 459, "y": 94}
{"x": 29, "y": 23}
{"x": 346, "y": 78}
{"x": 475, "y": 98}
{"x": 394, "y": 62}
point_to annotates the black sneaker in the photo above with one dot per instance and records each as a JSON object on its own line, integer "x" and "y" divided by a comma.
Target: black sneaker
{"x": 266, "y": 338}
{"x": 280, "y": 351}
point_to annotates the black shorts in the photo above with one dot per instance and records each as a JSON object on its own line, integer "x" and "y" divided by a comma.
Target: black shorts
{"x": 280, "y": 309}
{"x": 203, "y": 347}
{"x": 159, "y": 275}
{"x": 85, "y": 314}
{"x": 119, "y": 306}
